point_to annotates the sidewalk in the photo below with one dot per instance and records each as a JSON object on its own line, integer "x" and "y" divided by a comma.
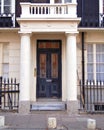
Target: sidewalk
{"x": 38, "y": 121}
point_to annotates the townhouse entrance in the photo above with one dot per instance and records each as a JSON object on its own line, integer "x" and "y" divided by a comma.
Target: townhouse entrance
{"x": 49, "y": 69}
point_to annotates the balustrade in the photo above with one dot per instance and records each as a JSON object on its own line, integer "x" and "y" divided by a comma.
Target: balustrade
{"x": 51, "y": 10}
{"x": 47, "y": 9}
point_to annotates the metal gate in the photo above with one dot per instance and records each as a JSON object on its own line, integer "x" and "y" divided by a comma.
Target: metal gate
{"x": 9, "y": 94}
{"x": 92, "y": 96}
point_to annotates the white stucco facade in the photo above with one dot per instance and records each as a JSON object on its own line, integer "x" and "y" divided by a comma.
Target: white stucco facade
{"x": 21, "y": 45}
{"x": 15, "y": 40}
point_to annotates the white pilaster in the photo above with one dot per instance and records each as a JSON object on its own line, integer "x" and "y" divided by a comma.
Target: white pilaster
{"x": 25, "y": 67}
{"x": 71, "y": 67}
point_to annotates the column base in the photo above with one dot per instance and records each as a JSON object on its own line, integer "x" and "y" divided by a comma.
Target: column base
{"x": 72, "y": 107}
{"x": 24, "y": 107}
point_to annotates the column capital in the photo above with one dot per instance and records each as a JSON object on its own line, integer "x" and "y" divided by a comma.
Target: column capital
{"x": 71, "y": 33}
{"x": 25, "y": 33}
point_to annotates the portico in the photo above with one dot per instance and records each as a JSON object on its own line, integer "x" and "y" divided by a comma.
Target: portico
{"x": 58, "y": 23}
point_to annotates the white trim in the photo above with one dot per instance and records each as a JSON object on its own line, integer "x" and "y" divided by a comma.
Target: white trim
{"x": 13, "y": 11}
{"x": 101, "y": 13}
{"x": 2, "y": 5}
{"x": 94, "y": 61}
{"x": 13, "y": 6}
{"x": 100, "y": 6}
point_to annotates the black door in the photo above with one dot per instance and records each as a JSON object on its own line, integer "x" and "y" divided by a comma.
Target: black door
{"x": 49, "y": 69}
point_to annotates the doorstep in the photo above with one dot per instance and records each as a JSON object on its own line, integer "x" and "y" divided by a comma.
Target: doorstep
{"x": 48, "y": 106}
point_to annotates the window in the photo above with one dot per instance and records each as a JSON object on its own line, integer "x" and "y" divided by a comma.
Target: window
{"x": 100, "y": 62}
{"x": 62, "y": 1}
{"x": 68, "y": 1}
{"x": 5, "y": 70}
{"x": 58, "y": 1}
{"x": 90, "y": 62}
{"x": 5, "y": 62}
{"x": 95, "y": 62}
{"x": 5, "y": 6}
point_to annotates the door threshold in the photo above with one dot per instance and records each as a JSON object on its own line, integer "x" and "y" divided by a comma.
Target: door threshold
{"x": 49, "y": 100}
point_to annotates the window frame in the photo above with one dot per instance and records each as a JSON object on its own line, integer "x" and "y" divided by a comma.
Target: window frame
{"x": 5, "y": 70}
{"x": 94, "y": 62}
{"x": 12, "y": 7}
{"x": 62, "y": 1}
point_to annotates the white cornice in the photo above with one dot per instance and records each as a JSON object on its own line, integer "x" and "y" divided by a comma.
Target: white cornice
{"x": 9, "y": 29}
{"x": 91, "y": 29}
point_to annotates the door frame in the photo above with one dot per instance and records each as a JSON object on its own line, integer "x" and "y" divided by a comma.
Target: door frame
{"x": 60, "y": 58}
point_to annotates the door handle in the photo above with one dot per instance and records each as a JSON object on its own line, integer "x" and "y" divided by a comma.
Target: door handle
{"x": 49, "y": 80}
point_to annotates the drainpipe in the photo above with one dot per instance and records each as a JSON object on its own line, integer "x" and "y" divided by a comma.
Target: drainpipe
{"x": 83, "y": 69}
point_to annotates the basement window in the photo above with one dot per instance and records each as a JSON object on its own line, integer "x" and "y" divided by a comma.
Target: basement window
{"x": 99, "y": 107}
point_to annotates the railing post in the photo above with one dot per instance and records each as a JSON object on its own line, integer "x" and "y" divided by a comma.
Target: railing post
{"x": 52, "y": 10}
{"x": 0, "y": 91}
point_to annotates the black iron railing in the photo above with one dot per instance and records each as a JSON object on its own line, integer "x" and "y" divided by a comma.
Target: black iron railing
{"x": 92, "y": 96}
{"x": 9, "y": 94}
{"x": 7, "y": 20}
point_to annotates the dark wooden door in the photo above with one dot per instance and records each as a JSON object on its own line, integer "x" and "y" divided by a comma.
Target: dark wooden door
{"x": 49, "y": 71}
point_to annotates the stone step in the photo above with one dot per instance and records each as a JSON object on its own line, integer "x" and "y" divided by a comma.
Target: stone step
{"x": 48, "y": 106}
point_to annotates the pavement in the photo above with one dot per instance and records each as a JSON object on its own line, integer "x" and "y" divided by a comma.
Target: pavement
{"x": 39, "y": 121}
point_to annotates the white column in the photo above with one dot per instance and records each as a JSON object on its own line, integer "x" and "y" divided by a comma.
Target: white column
{"x": 71, "y": 67}
{"x": 25, "y": 68}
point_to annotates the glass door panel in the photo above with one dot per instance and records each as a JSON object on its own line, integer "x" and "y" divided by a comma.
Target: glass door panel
{"x": 54, "y": 65}
{"x": 42, "y": 65}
